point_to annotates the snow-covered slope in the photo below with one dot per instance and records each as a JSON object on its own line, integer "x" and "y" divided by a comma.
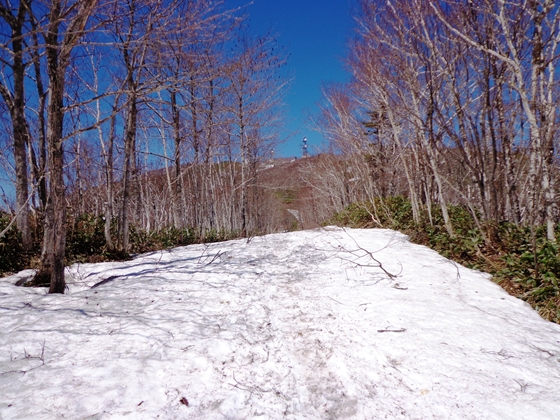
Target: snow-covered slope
{"x": 302, "y": 325}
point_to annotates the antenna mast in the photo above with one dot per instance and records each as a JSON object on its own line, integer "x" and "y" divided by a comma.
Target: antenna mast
{"x": 304, "y": 152}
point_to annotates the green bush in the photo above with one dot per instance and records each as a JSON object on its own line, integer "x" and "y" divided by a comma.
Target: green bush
{"x": 12, "y": 258}
{"x": 390, "y": 212}
{"x": 85, "y": 242}
{"x": 85, "y": 238}
{"x": 168, "y": 237}
{"x": 171, "y": 236}
{"x": 213, "y": 235}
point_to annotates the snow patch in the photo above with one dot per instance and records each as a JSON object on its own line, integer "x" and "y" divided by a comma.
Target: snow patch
{"x": 324, "y": 324}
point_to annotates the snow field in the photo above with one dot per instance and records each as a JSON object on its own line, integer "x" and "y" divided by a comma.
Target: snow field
{"x": 298, "y": 325}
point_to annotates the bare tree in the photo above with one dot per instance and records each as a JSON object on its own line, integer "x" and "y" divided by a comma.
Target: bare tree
{"x": 65, "y": 27}
{"x": 15, "y": 18}
{"x": 256, "y": 92}
{"x": 466, "y": 92}
{"x": 525, "y": 29}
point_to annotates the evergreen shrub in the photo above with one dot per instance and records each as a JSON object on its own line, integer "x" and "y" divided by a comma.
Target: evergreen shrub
{"x": 12, "y": 258}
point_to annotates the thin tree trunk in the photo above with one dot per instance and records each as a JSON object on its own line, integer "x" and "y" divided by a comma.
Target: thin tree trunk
{"x": 129, "y": 149}
{"x": 177, "y": 187}
{"x": 109, "y": 180}
{"x": 16, "y": 105}
{"x": 40, "y": 167}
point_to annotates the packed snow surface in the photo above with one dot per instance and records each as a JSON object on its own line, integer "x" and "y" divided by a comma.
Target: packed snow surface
{"x": 319, "y": 324}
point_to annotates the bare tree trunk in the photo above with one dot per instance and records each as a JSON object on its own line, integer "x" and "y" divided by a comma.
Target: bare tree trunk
{"x": 39, "y": 168}
{"x": 16, "y": 106}
{"x": 505, "y": 136}
{"x": 430, "y": 148}
{"x": 243, "y": 147}
{"x": 55, "y": 218}
{"x": 58, "y": 57}
{"x": 109, "y": 179}
{"x": 177, "y": 179}
{"x": 129, "y": 157}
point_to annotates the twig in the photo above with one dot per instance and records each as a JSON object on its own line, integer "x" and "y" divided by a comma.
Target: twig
{"x": 454, "y": 263}
{"x": 522, "y": 384}
{"x": 370, "y": 254}
{"x": 335, "y": 300}
{"x": 502, "y": 353}
{"x": 214, "y": 258}
{"x": 218, "y": 255}
{"x": 206, "y": 246}
{"x": 247, "y": 388}
{"x": 392, "y": 330}
{"x": 543, "y": 350}
{"x": 28, "y": 356}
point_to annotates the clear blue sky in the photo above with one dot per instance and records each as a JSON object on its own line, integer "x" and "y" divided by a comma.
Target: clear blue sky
{"x": 315, "y": 34}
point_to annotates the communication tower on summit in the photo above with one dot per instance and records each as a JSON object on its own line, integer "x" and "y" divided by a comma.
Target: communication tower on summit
{"x": 304, "y": 152}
